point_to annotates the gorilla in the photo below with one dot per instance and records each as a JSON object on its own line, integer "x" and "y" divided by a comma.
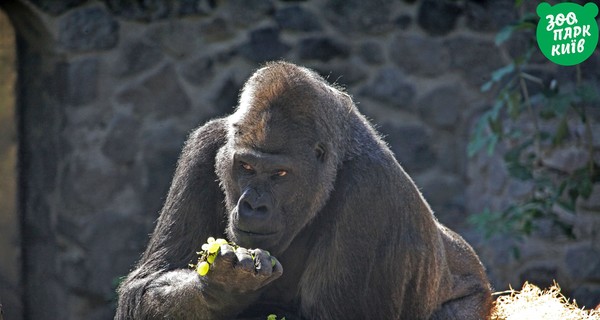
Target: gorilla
{"x": 335, "y": 228}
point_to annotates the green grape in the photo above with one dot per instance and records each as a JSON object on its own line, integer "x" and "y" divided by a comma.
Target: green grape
{"x": 272, "y": 317}
{"x": 273, "y": 262}
{"x": 203, "y": 268}
{"x": 213, "y": 247}
{"x": 211, "y": 258}
{"x": 209, "y": 252}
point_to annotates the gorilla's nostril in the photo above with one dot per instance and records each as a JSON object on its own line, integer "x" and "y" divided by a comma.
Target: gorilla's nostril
{"x": 246, "y": 206}
{"x": 262, "y": 209}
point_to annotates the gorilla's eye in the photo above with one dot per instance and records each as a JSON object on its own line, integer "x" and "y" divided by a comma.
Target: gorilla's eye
{"x": 281, "y": 173}
{"x": 248, "y": 168}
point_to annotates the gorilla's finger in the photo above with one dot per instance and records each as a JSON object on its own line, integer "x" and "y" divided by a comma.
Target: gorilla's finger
{"x": 226, "y": 255}
{"x": 262, "y": 262}
{"x": 245, "y": 260}
{"x": 277, "y": 268}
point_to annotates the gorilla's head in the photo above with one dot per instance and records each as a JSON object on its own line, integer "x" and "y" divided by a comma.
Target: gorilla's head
{"x": 280, "y": 160}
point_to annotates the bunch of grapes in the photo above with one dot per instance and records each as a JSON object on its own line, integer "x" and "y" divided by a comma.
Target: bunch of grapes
{"x": 208, "y": 254}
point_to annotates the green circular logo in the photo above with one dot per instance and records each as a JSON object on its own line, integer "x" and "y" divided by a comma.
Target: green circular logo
{"x": 567, "y": 33}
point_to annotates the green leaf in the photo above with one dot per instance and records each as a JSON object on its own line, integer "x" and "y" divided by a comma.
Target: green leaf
{"x": 498, "y": 74}
{"x": 585, "y": 187}
{"x": 568, "y": 205}
{"x": 516, "y": 252}
{"x": 492, "y": 144}
{"x": 487, "y": 222}
{"x": 474, "y": 146}
{"x": 587, "y": 93}
{"x": 486, "y": 86}
{"x": 527, "y": 227}
{"x": 519, "y": 171}
{"x": 513, "y": 155}
{"x": 514, "y": 104}
{"x": 560, "y": 103}
{"x": 504, "y": 34}
{"x": 562, "y": 132}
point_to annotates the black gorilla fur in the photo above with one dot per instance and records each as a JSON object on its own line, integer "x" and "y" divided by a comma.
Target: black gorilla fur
{"x": 298, "y": 171}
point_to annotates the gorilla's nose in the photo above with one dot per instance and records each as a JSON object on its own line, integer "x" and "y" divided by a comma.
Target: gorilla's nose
{"x": 253, "y": 211}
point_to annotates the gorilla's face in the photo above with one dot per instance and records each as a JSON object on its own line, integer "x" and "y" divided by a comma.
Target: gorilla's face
{"x": 274, "y": 182}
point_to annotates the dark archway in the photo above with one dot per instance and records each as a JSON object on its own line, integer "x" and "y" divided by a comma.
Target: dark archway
{"x": 10, "y": 241}
{"x": 35, "y": 106}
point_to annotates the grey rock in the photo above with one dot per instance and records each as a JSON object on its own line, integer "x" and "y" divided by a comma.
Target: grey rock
{"x": 587, "y": 296}
{"x": 475, "y": 59}
{"x": 344, "y": 74}
{"x": 372, "y": 53}
{"x": 541, "y": 275}
{"x": 88, "y": 185}
{"x": 199, "y": 71}
{"x": 161, "y": 147}
{"x": 121, "y": 144}
{"x": 403, "y": 21}
{"x": 452, "y": 150}
{"x": 215, "y": 30}
{"x": 593, "y": 202}
{"x": 411, "y": 145}
{"x": 297, "y": 18}
{"x": 138, "y": 56}
{"x": 160, "y": 95}
{"x": 419, "y": 55}
{"x": 195, "y": 7}
{"x": 57, "y": 7}
{"x": 112, "y": 247}
{"x": 442, "y": 106}
{"x": 88, "y": 29}
{"x": 322, "y": 49}
{"x": 586, "y": 224}
{"x": 390, "y": 86}
{"x": 140, "y": 10}
{"x": 438, "y": 17}
{"x": 567, "y": 159}
{"x": 583, "y": 262}
{"x": 227, "y": 96}
{"x": 264, "y": 45}
{"x": 75, "y": 83}
{"x": 244, "y": 13}
{"x": 176, "y": 39}
{"x": 485, "y": 16}
{"x": 497, "y": 176}
{"x": 444, "y": 192}
{"x": 371, "y": 17}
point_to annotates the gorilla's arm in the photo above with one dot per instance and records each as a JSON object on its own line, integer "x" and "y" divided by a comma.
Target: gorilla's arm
{"x": 379, "y": 239}
{"x": 470, "y": 294}
{"x": 162, "y": 285}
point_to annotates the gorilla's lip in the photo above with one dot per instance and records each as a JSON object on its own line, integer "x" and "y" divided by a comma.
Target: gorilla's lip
{"x": 255, "y": 234}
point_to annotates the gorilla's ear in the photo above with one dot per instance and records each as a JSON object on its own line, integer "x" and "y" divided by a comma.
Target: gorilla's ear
{"x": 320, "y": 151}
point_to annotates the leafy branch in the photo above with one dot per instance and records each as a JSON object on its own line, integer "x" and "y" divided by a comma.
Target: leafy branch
{"x": 530, "y": 125}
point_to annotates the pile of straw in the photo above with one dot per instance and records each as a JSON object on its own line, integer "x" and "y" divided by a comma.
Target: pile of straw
{"x": 532, "y": 303}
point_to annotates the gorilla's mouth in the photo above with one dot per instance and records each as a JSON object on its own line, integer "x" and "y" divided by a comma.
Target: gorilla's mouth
{"x": 263, "y": 239}
{"x": 254, "y": 233}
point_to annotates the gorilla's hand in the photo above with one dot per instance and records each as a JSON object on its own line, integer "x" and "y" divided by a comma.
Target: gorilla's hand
{"x": 242, "y": 271}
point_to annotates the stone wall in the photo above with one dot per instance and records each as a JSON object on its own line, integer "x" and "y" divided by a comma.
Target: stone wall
{"x": 108, "y": 91}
